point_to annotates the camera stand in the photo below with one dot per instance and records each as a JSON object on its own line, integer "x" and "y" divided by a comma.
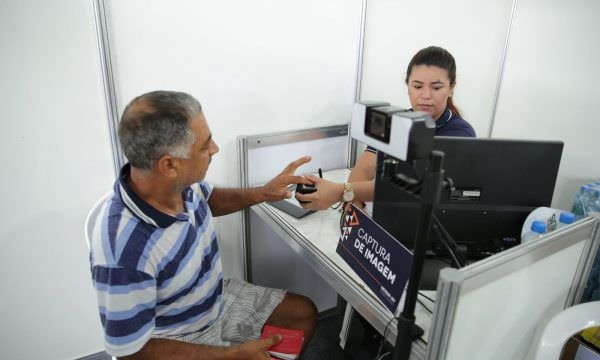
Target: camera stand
{"x": 430, "y": 197}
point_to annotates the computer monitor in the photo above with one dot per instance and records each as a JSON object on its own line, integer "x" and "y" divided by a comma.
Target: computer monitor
{"x": 497, "y": 184}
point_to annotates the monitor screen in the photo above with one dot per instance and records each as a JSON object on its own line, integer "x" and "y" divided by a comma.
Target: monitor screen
{"x": 497, "y": 184}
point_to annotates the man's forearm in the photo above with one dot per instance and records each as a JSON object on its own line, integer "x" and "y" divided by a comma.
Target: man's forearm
{"x": 227, "y": 201}
{"x": 156, "y": 349}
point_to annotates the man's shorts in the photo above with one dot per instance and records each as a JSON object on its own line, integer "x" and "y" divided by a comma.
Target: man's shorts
{"x": 246, "y": 308}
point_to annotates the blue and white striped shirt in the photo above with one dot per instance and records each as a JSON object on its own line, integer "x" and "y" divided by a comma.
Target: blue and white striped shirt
{"x": 154, "y": 274}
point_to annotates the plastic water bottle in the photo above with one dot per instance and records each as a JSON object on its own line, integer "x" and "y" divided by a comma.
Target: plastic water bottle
{"x": 580, "y": 202}
{"x": 565, "y": 218}
{"x": 548, "y": 216}
{"x": 538, "y": 228}
{"x": 594, "y": 204}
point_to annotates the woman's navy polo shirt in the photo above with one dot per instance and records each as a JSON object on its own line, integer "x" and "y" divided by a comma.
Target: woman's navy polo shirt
{"x": 451, "y": 124}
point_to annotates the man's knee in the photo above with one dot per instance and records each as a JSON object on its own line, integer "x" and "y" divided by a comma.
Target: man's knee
{"x": 295, "y": 309}
{"x": 307, "y": 309}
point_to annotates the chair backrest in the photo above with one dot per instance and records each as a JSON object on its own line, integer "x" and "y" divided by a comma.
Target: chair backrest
{"x": 90, "y": 220}
{"x": 564, "y": 325}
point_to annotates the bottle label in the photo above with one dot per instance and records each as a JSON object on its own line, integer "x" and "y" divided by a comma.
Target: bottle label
{"x": 545, "y": 214}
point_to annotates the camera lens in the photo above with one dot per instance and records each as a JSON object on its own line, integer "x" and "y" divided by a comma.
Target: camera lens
{"x": 377, "y": 125}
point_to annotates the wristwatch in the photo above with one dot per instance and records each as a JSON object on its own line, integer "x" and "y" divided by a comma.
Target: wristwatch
{"x": 348, "y": 194}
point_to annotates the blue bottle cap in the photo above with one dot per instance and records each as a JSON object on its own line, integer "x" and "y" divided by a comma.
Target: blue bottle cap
{"x": 538, "y": 226}
{"x": 566, "y": 217}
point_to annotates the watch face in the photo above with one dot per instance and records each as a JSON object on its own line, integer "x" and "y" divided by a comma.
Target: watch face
{"x": 348, "y": 195}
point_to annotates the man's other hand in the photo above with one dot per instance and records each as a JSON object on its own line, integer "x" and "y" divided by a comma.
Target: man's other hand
{"x": 277, "y": 188}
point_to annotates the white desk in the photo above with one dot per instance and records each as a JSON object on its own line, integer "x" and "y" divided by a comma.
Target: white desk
{"x": 315, "y": 239}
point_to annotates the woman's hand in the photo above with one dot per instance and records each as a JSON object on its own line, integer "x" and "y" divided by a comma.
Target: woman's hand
{"x": 327, "y": 194}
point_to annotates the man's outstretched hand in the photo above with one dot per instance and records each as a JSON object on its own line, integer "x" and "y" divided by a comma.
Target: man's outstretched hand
{"x": 277, "y": 188}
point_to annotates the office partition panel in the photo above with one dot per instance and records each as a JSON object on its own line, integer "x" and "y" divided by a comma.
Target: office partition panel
{"x": 497, "y": 308}
{"x": 56, "y": 162}
{"x": 550, "y": 89}
{"x": 474, "y": 32}
{"x": 269, "y": 260}
{"x": 256, "y": 66}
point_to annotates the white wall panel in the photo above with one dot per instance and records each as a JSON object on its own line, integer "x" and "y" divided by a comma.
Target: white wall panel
{"x": 473, "y": 31}
{"x": 550, "y": 88}
{"x": 56, "y": 161}
{"x": 327, "y": 154}
{"x": 526, "y": 299}
{"x": 256, "y": 66}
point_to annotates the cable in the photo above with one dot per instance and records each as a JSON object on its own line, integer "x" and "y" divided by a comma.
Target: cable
{"x": 448, "y": 240}
{"x": 424, "y": 306}
{"x": 383, "y": 355}
{"x": 426, "y": 297}
{"x": 379, "y": 356}
{"x": 436, "y": 228}
{"x": 456, "y": 251}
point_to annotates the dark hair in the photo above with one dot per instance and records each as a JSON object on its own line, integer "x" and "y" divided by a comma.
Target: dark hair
{"x": 156, "y": 124}
{"x": 439, "y": 57}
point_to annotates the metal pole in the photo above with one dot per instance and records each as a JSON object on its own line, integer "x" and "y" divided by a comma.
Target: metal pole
{"x": 110, "y": 98}
{"x": 360, "y": 54}
{"x": 242, "y": 147}
{"x": 352, "y": 146}
{"x": 430, "y": 197}
{"x": 501, "y": 70}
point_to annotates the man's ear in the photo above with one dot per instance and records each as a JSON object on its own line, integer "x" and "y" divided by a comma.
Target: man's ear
{"x": 167, "y": 166}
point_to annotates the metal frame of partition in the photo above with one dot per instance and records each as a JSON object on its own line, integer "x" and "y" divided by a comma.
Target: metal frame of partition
{"x": 451, "y": 282}
{"x": 108, "y": 77}
{"x": 108, "y": 81}
{"x": 454, "y": 283}
{"x": 247, "y": 143}
{"x": 353, "y": 144}
{"x": 501, "y": 70}
{"x": 360, "y": 54}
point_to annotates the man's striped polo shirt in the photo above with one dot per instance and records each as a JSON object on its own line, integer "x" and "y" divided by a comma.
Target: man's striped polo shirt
{"x": 154, "y": 274}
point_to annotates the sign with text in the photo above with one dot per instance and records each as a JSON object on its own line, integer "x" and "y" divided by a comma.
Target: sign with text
{"x": 377, "y": 257}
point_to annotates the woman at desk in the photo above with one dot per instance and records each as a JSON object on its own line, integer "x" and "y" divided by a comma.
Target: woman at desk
{"x": 430, "y": 78}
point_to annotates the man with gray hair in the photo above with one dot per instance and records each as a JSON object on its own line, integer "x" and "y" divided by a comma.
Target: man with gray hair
{"x": 155, "y": 259}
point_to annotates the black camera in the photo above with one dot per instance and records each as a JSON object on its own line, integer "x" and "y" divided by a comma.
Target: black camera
{"x": 378, "y": 122}
{"x": 305, "y": 189}
{"x": 402, "y": 134}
